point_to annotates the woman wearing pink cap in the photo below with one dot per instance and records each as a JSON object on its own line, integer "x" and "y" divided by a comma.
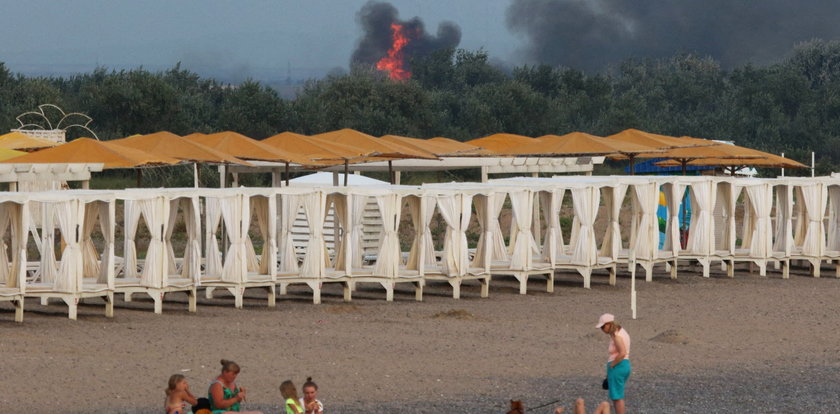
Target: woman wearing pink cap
{"x": 618, "y": 366}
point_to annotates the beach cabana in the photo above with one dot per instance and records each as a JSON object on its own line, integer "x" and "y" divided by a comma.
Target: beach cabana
{"x": 160, "y": 271}
{"x": 234, "y": 265}
{"x": 14, "y": 222}
{"x": 67, "y": 268}
{"x": 453, "y": 265}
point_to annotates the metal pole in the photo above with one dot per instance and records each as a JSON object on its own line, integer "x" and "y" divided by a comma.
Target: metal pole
{"x": 632, "y": 162}
{"x": 813, "y": 166}
{"x": 783, "y": 168}
{"x": 139, "y": 177}
{"x": 287, "y": 173}
{"x": 346, "y": 171}
{"x": 195, "y": 174}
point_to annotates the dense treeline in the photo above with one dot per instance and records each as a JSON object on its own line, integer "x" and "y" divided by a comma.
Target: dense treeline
{"x": 791, "y": 107}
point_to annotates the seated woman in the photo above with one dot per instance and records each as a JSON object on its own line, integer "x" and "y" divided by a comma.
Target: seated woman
{"x": 225, "y": 396}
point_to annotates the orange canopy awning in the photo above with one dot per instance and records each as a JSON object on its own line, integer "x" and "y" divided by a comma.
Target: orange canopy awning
{"x": 442, "y": 147}
{"x": 7, "y": 154}
{"x": 578, "y": 144}
{"x": 245, "y": 148}
{"x": 171, "y": 145}
{"x": 658, "y": 141}
{"x": 20, "y": 141}
{"x": 738, "y": 156}
{"x": 88, "y": 150}
{"x": 308, "y": 147}
{"x": 501, "y": 143}
{"x": 368, "y": 146}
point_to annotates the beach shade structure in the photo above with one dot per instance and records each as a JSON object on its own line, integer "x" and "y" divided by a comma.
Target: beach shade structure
{"x": 22, "y": 142}
{"x": 325, "y": 152}
{"x": 740, "y": 157}
{"x": 245, "y": 148}
{"x": 7, "y": 154}
{"x": 171, "y": 145}
{"x": 721, "y": 151}
{"x": 369, "y": 148}
{"x": 501, "y": 143}
{"x": 577, "y": 144}
{"x": 89, "y": 150}
{"x": 657, "y": 141}
{"x": 442, "y": 147}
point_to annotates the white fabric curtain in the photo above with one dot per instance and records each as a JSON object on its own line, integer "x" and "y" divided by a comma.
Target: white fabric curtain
{"x": 49, "y": 271}
{"x": 749, "y": 221}
{"x": 800, "y": 218}
{"x": 314, "y": 205}
{"x": 357, "y": 204}
{"x": 19, "y": 218}
{"x": 536, "y": 225}
{"x": 235, "y": 215}
{"x": 70, "y": 217}
{"x": 213, "y": 267}
{"x": 172, "y": 268}
{"x": 455, "y": 210}
{"x": 491, "y": 242}
{"x": 90, "y": 257}
{"x": 814, "y": 202}
{"x": 131, "y": 219}
{"x": 760, "y": 242}
{"x": 191, "y": 265}
{"x": 833, "y": 218}
{"x": 342, "y": 260}
{"x": 106, "y": 224}
{"x": 289, "y": 204}
{"x": 701, "y": 227}
{"x": 5, "y": 219}
{"x": 674, "y": 193}
{"x": 261, "y": 209}
{"x": 725, "y": 208}
{"x": 585, "y": 201}
{"x": 613, "y": 199}
{"x": 553, "y": 242}
{"x": 521, "y": 257}
{"x": 388, "y": 259}
{"x": 647, "y": 235}
{"x": 156, "y": 213}
{"x": 251, "y": 261}
{"x": 422, "y": 253}
{"x": 783, "y": 235}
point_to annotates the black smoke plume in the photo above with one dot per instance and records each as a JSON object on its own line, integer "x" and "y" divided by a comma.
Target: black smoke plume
{"x": 590, "y": 34}
{"x": 376, "y": 18}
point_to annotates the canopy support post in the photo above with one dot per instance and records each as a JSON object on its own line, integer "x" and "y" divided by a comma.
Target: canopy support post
{"x": 195, "y": 175}
{"x": 287, "y": 173}
{"x": 632, "y": 163}
{"x": 346, "y": 171}
{"x": 783, "y": 168}
{"x": 222, "y": 175}
{"x": 390, "y": 172}
{"x": 139, "y": 177}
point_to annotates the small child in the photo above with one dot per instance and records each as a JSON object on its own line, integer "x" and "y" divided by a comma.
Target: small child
{"x": 310, "y": 402}
{"x": 289, "y": 393}
{"x": 178, "y": 395}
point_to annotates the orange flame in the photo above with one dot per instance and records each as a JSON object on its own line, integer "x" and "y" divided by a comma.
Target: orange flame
{"x": 394, "y": 62}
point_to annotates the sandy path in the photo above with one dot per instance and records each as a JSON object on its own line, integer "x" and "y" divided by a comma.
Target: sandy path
{"x": 376, "y": 352}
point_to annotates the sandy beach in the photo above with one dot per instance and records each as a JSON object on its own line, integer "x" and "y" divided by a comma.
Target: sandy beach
{"x": 748, "y": 344}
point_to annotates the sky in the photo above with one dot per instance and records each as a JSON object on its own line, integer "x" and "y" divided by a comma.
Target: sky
{"x": 272, "y": 40}
{"x": 226, "y": 39}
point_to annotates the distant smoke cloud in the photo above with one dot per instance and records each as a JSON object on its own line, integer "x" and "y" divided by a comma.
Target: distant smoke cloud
{"x": 376, "y": 18}
{"x": 589, "y": 34}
